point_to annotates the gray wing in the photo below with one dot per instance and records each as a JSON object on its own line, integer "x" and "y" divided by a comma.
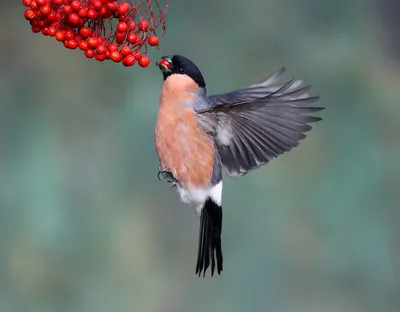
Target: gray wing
{"x": 253, "y": 125}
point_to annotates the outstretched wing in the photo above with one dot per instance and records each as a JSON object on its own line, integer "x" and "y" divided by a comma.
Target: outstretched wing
{"x": 253, "y": 125}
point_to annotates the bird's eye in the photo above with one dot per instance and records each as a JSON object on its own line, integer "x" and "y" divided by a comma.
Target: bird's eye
{"x": 181, "y": 70}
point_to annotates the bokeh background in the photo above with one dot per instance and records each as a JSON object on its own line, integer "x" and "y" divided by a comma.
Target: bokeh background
{"x": 86, "y": 226}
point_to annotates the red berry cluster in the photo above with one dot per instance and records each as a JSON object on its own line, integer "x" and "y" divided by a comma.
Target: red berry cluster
{"x": 103, "y": 29}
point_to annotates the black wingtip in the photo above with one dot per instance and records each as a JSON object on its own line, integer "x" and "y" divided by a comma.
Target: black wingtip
{"x": 210, "y": 249}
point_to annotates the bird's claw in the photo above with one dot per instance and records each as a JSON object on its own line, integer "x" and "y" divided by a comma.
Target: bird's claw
{"x": 165, "y": 175}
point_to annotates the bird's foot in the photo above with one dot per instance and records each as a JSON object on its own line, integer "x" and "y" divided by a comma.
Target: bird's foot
{"x": 166, "y": 175}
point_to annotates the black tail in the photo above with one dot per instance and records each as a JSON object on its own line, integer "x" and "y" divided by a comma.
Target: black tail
{"x": 210, "y": 238}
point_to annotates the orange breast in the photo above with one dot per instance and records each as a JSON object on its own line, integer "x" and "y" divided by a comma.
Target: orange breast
{"x": 183, "y": 148}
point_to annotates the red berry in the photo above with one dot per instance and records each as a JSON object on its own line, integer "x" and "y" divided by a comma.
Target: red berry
{"x": 143, "y": 25}
{"x": 116, "y": 56}
{"x": 120, "y": 35}
{"x": 52, "y": 16}
{"x": 137, "y": 55}
{"x": 152, "y": 40}
{"x": 144, "y": 61}
{"x": 75, "y": 5}
{"x": 99, "y": 40}
{"x": 122, "y": 27}
{"x": 89, "y": 53}
{"x": 132, "y": 38}
{"x": 92, "y": 42}
{"x": 128, "y": 60}
{"x": 26, "y": 2}
{"x": 34, "y": 5}
{"x": 69, "y": 35}
{"x": 100, "y": 57}
{"x": 132, "y": 25}
{"x": 101, "y": 49}
{"x": 67, "y": 9}
{"x": 45, "y": 10}
{"x": 83, "y": 12}
{"x": 92, "y": 14}
{"x": 112, "y": 47}
{"x": 83, "y": 45}
{"x": 60, "y": 35}
{"x": 45, "y": 31}
{"x": 73, "y": 18}
{"x": 52, "y": 31}
{"x": 96, "y": 4}
{"x": 72, "y": 44}
{"x": 36, "y": 29}
{"x": 41, "y": 2}
{"x": 34, "y": 22}
{"x": 29, "y": 14}
{"x": 112, "y": 6}
{"x": 125, "y": 50}
{"x": 84, "y": 32}
{"x": 103, "y": 11}
{"x": 123, "y": 8}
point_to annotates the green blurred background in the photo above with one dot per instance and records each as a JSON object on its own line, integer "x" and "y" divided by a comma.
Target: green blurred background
{"x": 86, "y": 226}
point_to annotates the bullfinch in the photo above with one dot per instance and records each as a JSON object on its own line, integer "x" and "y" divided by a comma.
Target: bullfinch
{"x": 198, "y": 136}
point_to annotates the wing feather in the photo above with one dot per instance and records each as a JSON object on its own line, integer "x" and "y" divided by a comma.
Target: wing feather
{"x": 253, "y": 125}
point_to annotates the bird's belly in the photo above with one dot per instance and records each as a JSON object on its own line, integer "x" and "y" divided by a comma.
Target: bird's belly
{"x": 183, "y": 148}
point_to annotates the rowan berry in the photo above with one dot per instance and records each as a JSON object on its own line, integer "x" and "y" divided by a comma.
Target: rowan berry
{"x": 144, "y": 61}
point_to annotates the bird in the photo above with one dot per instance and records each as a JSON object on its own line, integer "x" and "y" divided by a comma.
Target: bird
{"x": 197, "y": 137}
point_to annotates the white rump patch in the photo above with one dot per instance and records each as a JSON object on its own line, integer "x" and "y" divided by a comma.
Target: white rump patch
{"x": 216, "y": 193}
{"x": 197, "y": 197}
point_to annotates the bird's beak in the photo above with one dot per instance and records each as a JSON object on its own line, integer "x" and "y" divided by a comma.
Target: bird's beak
{"x": 165, "y": 64}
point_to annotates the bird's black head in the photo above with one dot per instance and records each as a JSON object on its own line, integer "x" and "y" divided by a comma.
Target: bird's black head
{"x": 179, "y": 65}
